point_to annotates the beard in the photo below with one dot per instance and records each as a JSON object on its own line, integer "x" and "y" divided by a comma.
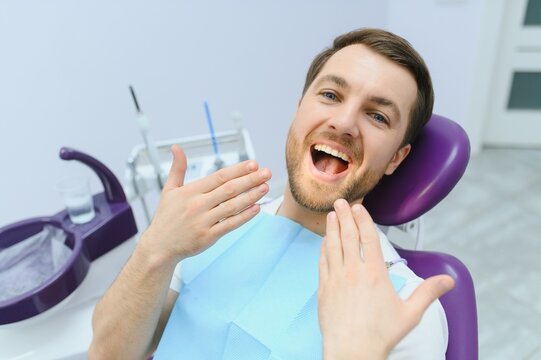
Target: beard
{"x": 319, "y": 197}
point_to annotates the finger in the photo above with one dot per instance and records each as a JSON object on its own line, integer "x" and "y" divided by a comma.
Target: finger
{"x": 426, "y": 293}
{"x": 237, "y": 204}
{"x": 178, "y": 169}
{"x": 369, "y": 237}
{"x": 349, "y": 234}
{"x": 237, "y": 186}
{"x": 233, "y": 222}
{"x": 226, "y": 174}
{"x": 323, "y": 265}
{"x": 333, "y": 246}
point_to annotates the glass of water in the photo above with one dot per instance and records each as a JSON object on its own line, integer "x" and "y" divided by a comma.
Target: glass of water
{"x": 75, "y": 192}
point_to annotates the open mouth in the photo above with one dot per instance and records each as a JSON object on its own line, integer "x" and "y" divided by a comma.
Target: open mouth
{"x": 328, "y": 160}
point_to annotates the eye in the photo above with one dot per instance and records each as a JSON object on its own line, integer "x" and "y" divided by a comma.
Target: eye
{"x": 380, "y": 118}
{"x": 329, "y": 95}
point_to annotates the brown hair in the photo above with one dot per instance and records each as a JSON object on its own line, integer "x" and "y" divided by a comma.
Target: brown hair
{"x": 399, "y": 51}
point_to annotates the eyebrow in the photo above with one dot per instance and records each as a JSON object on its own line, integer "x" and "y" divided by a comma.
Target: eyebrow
{"x": 338, "y": 80}
{"x": 379, "y": 100}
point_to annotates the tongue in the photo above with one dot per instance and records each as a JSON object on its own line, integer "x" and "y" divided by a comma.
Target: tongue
{"x": 329, "y": 164}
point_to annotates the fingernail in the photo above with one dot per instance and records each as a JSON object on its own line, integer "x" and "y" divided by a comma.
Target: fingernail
{"x": 445, "y": 284}
{"x": 357, "y": 208}
{"x": 264, "y": 173}
{"x": 331, "y": 215}
{"x": 252, "y": 165}
{"x": 340, "y": 203}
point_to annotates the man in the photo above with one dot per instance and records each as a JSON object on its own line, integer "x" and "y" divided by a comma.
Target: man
{"x": 252, "y": 295}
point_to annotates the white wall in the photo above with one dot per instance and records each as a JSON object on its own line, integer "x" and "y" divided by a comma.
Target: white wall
{"x": 65, "y": 67}
{"x": 449, "y": 35}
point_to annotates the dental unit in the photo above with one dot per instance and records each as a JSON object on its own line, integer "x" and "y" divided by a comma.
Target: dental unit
{"x": 206, "y": 153}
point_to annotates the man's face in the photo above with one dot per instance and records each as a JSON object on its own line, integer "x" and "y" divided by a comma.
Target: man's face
{"x": 348, "y": 128}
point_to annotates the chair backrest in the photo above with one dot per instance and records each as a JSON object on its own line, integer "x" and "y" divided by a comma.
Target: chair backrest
{"x": 435, "y": 164}
{"x": 437, "y": 160}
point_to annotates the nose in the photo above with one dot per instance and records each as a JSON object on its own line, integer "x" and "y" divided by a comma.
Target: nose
{"x": 345, "y": 121}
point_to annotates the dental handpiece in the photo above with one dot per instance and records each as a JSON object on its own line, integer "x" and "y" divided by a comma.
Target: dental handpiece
{"x": 218, "y": 162}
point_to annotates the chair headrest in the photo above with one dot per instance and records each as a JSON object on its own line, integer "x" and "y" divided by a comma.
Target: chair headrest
{"x": 437, "y": 161}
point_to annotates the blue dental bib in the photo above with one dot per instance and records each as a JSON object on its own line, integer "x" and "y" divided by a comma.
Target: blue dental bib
{"x": 252, "y": 295}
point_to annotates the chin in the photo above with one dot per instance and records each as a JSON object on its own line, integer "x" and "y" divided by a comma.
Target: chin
{"x": 316, "y": 196}
{"x": 306, "y": 199}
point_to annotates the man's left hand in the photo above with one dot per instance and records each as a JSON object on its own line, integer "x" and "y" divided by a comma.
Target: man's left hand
{"x": 360, "y": 314}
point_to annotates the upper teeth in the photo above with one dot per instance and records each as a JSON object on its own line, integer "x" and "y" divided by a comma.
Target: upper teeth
{"x": 329, "y": 150}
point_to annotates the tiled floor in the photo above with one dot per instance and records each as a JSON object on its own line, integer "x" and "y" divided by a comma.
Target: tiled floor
{"x": 492, "y": 222}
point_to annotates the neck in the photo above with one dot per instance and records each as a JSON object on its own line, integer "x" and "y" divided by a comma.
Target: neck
{"x": 312, "y": 220}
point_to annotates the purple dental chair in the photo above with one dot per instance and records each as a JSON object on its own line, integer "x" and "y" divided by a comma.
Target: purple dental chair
{"x": 437, "y": 161}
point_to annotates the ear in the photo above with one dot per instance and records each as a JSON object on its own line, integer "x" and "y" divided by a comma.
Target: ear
{"x": 398, "y": 157}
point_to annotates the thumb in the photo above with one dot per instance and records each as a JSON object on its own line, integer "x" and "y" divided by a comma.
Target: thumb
{"x": 430, "y": 290}
{"x": 178, "y": 169}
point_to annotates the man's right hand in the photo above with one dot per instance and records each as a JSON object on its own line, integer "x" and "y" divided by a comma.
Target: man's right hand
{"x": 191, "y": 218}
